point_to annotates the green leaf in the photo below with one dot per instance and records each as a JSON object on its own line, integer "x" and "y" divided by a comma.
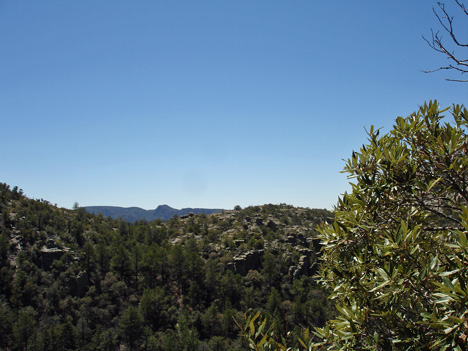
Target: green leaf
{"x": 434, "y": 262}
{"x": 380, "y": 286}
{"x": 263, "y": 341}
{"x": 252, "y": 325}
{"x": 433, "y": 183}
{"x": 446, "y": 274}
{"x": 462, "y": 239}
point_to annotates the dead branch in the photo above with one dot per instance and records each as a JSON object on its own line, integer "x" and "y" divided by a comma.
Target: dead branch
{"x": 436, "y": 43}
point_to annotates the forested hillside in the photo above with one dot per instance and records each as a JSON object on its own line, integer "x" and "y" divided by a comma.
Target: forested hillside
{"x": 71, "y": 280}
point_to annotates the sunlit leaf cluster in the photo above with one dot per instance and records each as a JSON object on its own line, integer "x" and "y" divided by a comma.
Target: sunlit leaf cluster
{"x": 396, "y": 256}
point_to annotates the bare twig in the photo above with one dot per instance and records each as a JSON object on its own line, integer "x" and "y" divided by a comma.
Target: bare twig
{"x": 436, "y": 43}
{"x": 462, "y": 6}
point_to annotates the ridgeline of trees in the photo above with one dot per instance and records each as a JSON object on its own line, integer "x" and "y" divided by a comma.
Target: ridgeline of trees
{"x": 70, "y": 280}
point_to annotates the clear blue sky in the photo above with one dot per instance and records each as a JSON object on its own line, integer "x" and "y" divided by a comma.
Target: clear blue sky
{"x": 205, "y": 103}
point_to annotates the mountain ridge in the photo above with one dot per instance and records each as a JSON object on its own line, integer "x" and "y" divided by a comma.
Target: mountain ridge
{"x": 133, "y": 214}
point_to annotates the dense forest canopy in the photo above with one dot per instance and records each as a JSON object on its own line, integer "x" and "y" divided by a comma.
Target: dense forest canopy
{"x": 71, "y": 280}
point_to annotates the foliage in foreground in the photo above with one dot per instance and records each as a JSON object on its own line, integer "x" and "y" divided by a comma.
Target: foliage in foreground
{"x": 396, "y": 256}
{"x": 260, "y": 335}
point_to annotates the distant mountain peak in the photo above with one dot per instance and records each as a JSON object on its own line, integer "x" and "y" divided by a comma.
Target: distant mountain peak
{"x": 164, "y": 207}
{"x": 132, "y": 214}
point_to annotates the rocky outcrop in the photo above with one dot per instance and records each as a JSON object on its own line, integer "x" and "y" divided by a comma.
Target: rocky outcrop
{"x": 304, "y": 266}
{"x": 252, "y": 260}
{"x": 49, "y": 255}
{"x": 50, "y": 252}
{"x": 258, "y": 221}
{"x": 249, "y": 260}
{"x": 188, "y": 215}
{"x": 295, "y": 239}
{"x": 273, "y": 224}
